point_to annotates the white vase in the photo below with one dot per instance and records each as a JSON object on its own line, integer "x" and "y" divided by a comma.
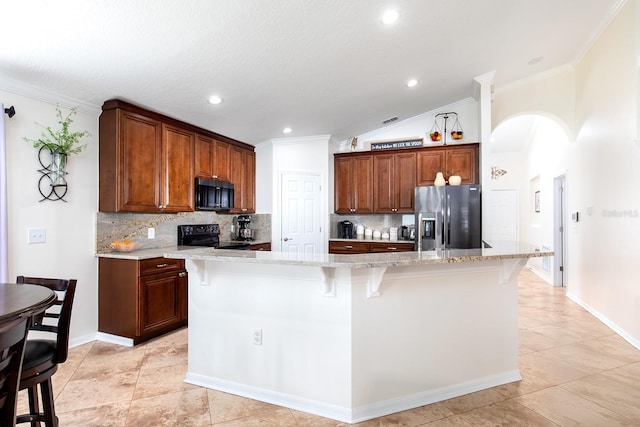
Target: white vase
{"x": 439, "y": 180}
{"x": 455, "y": 180}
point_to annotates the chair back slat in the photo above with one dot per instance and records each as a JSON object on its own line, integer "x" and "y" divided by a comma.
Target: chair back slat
{"x": 12, "y": 343}
{"x": 66, "y": 289}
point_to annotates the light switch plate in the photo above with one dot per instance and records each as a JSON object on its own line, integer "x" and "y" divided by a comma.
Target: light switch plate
{"x": 37, "y": 235}
{"x": 151, "y": 233}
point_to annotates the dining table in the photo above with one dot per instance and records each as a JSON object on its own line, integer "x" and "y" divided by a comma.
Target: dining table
{"x": 19, "y": 299}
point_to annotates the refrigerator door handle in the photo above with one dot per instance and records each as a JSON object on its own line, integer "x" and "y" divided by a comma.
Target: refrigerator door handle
{"x": 444, "y": 218}
{"x": 419, "y": 236}
{"x": 448, "y": 219}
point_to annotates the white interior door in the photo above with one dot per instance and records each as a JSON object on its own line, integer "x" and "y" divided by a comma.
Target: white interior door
{"x": 503, "y": 216}
{"x": 301, "y": 225}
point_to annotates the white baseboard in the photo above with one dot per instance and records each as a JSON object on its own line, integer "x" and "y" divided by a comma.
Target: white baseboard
{"x": 114, "y": 339}
{"x": 353, "y": 415}
{"x": 76, "y": 342}
{"x": 604, "y": 319}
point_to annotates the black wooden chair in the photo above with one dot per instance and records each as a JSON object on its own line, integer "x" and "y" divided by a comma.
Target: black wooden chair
{"x": 12, "y": 343}
{"x": 42, "y": 356}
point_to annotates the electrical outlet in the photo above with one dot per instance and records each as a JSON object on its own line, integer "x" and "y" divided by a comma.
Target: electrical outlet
{"x": 151, "y": 233}
{"x": 37, "y": 235}
{"x": 257, "y": 336}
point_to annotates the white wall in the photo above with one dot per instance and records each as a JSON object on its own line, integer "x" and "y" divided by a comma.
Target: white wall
{"x": 598, "y": 102}
{"x": 70, "y": 226}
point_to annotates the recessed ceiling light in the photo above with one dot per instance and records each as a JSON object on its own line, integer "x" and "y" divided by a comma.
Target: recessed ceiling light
{"x": 286, "y": 130}
{"x": 215, "y": 99}
{"x": 412, "y": 83}
{"x": 390, "y": 16}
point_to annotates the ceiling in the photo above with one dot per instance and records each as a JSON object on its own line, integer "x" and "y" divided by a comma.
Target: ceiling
{"x": 321, "y": 67}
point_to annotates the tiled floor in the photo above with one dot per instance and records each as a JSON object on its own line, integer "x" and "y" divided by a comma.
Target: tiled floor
{"x": 576, "y": 372}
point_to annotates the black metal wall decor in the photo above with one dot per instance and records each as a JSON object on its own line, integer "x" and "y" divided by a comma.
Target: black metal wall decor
{"x": 52, "y": 184}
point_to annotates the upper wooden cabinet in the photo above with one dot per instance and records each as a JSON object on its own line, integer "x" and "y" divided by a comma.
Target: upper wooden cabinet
{"x": 148, "y": 161}
{"x": 353, "y": 183}
{"x": 394, "y": 182}
{"x": 243, "y": 175}
{"x": 212, "y": 159}
{"x": 459, "y": 160}
{"x": 384, "y": 181}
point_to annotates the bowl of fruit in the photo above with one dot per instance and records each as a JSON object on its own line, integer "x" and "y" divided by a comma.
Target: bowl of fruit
{"x": 435, "y": 136}
{"x": 125, "y": 245}
{"x": 457, "y": 134}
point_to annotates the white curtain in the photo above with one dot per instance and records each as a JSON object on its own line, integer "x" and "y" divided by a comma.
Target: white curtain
{"x": 4, "y": 221}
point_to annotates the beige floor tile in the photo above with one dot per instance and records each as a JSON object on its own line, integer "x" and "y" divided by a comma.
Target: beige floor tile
{"x": 157, "y": 381}
{"x": 455, "y": 421}
{"x": 528, "y": 384}
{"x": 109, "y": 359}
{"x": 189, "y": 408}
{"x": 568, "y": 409}
{"x": 280, "y": 417}
{"x": 550, "y": 369}
{"x": 536, "y": 341}
{"x": 303, "y": 419}
{"x": 588, "y": 356}
{"x": 164, "y": 355}
{"x": 227, "y": 407}
{"x": 97, "y": 391}
{"x": 113, "y": 415}
{"x": 507, "y": 413}
{"x": 475, "y": 400}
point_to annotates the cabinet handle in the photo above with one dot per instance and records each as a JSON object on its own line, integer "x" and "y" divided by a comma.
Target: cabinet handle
{"x": 182, "y": 274}
{"x": 348, "y": 247}
{"x": 161, "y": 265}
{"x": 214, "y": 176}
{"x": 392, "y": 249}
{"x": 244, "y": 209}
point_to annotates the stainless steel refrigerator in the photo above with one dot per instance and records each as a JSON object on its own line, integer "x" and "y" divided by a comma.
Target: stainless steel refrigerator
{"x": 448, "y": 217}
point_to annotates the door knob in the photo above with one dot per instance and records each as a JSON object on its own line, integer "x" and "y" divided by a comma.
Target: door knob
{"x": 286, "y": 239}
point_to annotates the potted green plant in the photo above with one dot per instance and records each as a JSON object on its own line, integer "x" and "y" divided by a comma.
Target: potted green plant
{"x": 60, "y": 143}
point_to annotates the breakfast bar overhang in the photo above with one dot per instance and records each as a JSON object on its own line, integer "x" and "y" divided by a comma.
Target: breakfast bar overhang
{"x": 354, "y": 337}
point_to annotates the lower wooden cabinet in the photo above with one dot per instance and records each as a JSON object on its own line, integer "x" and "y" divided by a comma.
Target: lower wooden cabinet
{"x": 260, "y": 246}
{"x": 141, "y": 299}
{"x": 360, "y": 247}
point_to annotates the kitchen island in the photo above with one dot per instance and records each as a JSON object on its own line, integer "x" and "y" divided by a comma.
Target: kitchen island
{"x": 354, "y": 337}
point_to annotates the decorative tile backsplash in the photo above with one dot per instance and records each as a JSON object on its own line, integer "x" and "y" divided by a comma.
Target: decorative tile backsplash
{"x": 134, "y": 226}
{"x": 377, "y": 222}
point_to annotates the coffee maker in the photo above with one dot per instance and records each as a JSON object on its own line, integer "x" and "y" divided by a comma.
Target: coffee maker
{"x": 345, "y": 230}
{"x": 244, "y": 232}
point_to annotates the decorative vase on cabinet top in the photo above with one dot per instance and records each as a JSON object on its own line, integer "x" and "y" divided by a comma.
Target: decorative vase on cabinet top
{"x": 455, "y": 180}
{"x": 439, "y": 180}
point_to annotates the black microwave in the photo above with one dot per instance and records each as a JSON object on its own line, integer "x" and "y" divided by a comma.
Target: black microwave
{"x": 213, "y": 195}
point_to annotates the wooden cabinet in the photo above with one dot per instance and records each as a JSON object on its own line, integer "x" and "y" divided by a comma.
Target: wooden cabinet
{"x": 343, "y": 247}
{"x": 459, "y": 160}
{"x": 394, "y": 182}
{"x": 243, "y": 176}
{"x": 141, "y": 299}
{"x": 360, "y": 247}
{"x": 212, "y": 158}
{"x": 145, "y": 165}
{"x": 260, "y": 246}
{"x": 353, "y": 191}
{"x": 148, "y": 162}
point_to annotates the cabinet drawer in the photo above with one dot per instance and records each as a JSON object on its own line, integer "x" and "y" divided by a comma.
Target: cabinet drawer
{"x": 260, "y": 247}
{"x": 390, "y": 247}
{"x": 348, "y": 247}
{"x": 160, "y": 265}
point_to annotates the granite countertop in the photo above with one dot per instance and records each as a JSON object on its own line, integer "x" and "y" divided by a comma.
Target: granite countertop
{"x": 498, "y": 251}
{"x": 141, "y": 254}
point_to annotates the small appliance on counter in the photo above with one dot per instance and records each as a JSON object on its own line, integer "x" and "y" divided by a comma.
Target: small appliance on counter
{"x": 345, "y": 230}
{"x": 206, "y": 235}
{"x": 244, "y": 232}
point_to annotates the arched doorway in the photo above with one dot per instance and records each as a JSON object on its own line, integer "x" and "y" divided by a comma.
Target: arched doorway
{"x": 529, "y": 163}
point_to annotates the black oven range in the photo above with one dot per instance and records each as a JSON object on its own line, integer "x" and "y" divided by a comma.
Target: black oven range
{"x": 206, "y": 235}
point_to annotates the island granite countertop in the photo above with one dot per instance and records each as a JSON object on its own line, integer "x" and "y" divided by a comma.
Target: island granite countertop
{"x": 498, "y": 251}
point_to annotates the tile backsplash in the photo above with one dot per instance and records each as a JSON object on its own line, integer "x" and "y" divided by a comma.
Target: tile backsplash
{"x": 375, "y": 222}
{"x": 134, "y": 226}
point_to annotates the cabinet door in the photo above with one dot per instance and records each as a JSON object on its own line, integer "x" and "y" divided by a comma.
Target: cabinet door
{"x": 161, "y": 302}
{"x": 463, "y": 161}
{"x": 204, "y": 157}
{"x": 221, "y": 155}
{"x": 362, "y": 184}
{"x": 243, "y": 177}
{"x": 177, "y": 169}
{"x": 342, "y": 185}
{"x": 429, "y": 163}
{"x": 405, "y": 182}
{"x": 140, "y": 164}
{"x": 384, "y": 194}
